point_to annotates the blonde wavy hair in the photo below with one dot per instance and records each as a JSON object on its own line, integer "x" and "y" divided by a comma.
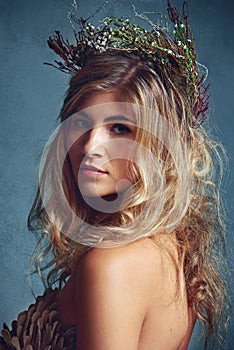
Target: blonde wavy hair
{"x": 198, "y": 216}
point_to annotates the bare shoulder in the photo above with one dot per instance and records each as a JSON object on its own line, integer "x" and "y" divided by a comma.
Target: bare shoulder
{"x": 124, "y": 294}
{"x": 141, "y": 262}
{"x": 124, "y": 260}
{"x": 111, "y": 296}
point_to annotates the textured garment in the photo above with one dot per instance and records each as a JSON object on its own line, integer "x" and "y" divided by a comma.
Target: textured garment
{"x": 39, "y": 328}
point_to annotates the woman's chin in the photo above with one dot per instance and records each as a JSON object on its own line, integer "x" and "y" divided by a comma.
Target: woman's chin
{"x": 97, "y": 197}
{"x": 108, "y": 203}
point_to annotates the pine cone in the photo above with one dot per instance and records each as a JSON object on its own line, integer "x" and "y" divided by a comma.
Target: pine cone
{"x": 38, "y": 328}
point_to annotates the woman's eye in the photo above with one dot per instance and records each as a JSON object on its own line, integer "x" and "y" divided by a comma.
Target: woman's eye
{"x": 120, "y": 129}
{"x": 81, "y": 124}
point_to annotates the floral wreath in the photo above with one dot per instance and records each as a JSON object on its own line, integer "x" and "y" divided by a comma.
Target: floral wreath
{"x": 173, "y": 51}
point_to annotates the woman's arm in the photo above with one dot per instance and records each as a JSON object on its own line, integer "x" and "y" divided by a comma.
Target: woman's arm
{"x": 110, "y": 305}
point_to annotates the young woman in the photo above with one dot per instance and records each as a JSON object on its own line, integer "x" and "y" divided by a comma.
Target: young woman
{"x": 128, "y": 198}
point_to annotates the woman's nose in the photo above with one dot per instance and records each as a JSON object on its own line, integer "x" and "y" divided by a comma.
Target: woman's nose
{"x": 94, "y": 140}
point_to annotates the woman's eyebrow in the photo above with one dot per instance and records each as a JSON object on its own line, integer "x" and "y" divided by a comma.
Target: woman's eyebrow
{"x": 111, "y": 118}
{"x": 119, "y": 117}
{"x": 83, "y": 114}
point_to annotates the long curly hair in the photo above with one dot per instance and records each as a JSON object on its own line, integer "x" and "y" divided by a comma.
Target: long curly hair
{"x": 194, "y": 213}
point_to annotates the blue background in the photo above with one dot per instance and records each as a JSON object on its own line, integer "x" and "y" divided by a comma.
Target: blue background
{"x": 30, "y": 98}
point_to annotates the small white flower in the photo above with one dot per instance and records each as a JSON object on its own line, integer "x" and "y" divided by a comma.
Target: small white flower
{"x": 185, "y": 47}
{"x": 102, "y": 49}
{"x": 180, "y": 56}
{"x": 170, "y": 52}
{"x": 182, "y": 25}
{"x": 179, "y": 43}
{"x": 176, "y": 25}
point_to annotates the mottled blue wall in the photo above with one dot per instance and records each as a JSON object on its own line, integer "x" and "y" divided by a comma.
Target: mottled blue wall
{"x": 30, "y": 99}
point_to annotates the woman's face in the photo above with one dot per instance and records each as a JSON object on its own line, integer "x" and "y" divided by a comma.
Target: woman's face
{"x": 100, "y": 138}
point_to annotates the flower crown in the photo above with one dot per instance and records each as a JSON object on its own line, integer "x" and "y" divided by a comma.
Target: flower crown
{"x": 173, "y": 51}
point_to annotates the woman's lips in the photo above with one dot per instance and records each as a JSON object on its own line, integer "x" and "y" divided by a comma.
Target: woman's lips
{"x": 91, "y": 171}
